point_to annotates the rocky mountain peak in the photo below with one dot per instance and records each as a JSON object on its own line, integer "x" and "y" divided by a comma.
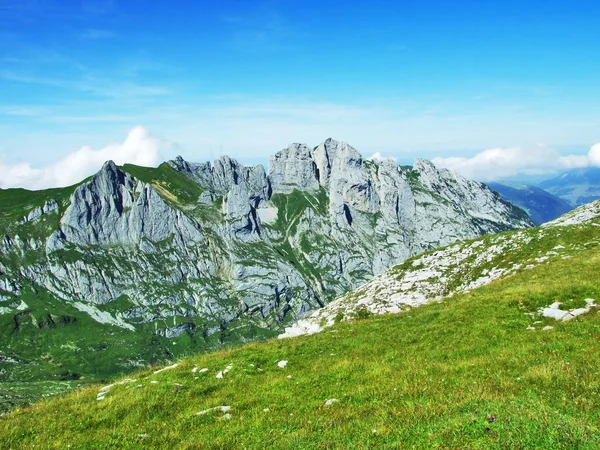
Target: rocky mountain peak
{"x": 333, "y": 157}
{"x": 424, "y": 166}
{"x": 293, "y": 168}
{"x": 115, "y": 208}
{"x": 109, "y": 166}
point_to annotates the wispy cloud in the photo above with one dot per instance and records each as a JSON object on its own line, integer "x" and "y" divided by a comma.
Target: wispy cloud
{"x": 108, "y": 118}
{"x": 31, "y": 10}
{"x": 10, "y": 75}
{"x": 25, "y": 111}
{"x": 377, "y": 156}
{"x": 100, "y": 86}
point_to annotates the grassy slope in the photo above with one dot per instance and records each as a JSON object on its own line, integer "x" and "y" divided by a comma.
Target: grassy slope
{"x": 172, "y": 185}
{"x": 17, "y": 203}
{"x": 432, "y": 377}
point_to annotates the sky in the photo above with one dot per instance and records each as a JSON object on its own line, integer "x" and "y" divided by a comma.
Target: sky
{"x": 490, "y": 89}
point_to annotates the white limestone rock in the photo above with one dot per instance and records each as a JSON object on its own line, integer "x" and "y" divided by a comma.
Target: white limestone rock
{"x": 293, "y": 168}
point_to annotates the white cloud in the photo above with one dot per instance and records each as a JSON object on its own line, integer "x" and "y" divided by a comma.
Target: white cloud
{"x": 377, "y": 156}
{"x": 498, "y": 163}
{"x": 594, "y": 155}
{"x": 574, "y": 161}
{"x": 139, "y": 147}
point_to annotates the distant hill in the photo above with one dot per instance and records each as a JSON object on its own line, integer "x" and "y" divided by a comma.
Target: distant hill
{"x": 578, "y": 186}
{"x": 541, "y": 205}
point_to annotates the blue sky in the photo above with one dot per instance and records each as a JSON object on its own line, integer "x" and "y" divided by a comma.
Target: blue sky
{"x": 408, "y": 79}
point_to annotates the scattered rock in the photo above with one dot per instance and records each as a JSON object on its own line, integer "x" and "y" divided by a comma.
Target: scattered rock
{"x": 331, "y": 401}
{"x": 554, "y": 311}
{"x": 223, "y": 409}
{"x": 282, "y": 364}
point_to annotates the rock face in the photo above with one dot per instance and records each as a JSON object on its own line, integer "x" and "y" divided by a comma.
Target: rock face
{"x": 205, "y": 248}
{"x": 293, "y": 168}
{"x": 114, "y": 209}
{"x": 244, "y": 189}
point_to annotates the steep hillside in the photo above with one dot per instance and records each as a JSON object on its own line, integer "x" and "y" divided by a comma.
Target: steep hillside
{"x": 457, "y": 269}
{"x": 541, "y": 206}
{"x": 137, "y": 265}
{"x": 578, "y": 186}
{"x": 509, "y": 364}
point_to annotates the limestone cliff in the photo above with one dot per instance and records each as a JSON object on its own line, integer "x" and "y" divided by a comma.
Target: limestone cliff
{"x": 206, "y": 248}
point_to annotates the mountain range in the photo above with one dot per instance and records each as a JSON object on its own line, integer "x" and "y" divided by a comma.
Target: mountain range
{"x": 577, "y": 186}
{"x": 136, "y": 265}
{"x": 540, "y": 205}
{"x": 547, "y": 199}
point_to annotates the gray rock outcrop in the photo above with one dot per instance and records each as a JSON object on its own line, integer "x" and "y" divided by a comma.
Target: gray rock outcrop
{"x": 293, "y": 168}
